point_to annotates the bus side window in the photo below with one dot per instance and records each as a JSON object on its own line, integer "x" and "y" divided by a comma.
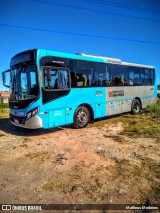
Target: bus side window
{"x": 73, "y": 79}
{"x": 73, "y": 73}
{"x": 59, "y": 79}
{"x": 116, "y": 79}
{"x": 54, "y": 79}
{"x": 120, "y": 76}
{"x": 63, "y": 79}
{"x": 80, "y": 80}
{"x": 101, "y": 74}
{"x": 152, "y": 76}
{"x": 146, "y": 77}
{"x": 83, "y": 73}
{"x": 134, "y": 76}
{"x": 49, "y": 84}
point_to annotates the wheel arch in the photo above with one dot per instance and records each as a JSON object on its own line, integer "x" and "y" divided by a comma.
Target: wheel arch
{"x": 90, "y": 110}
{"x": 137, "y": 98}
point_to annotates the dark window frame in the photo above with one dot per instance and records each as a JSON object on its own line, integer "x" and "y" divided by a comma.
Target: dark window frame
{"x": 58, "y": 68}
{"x": 73, "y": 66}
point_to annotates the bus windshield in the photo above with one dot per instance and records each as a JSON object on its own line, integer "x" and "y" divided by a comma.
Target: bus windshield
{"x": 24, "y": 83}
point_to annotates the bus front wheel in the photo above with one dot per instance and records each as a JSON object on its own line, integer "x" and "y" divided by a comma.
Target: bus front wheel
{"x": 136, "y": 107}
{"x": 81, "y": 117}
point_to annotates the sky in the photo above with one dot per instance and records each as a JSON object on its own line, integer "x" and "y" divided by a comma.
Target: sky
{"x": 124, "y": 29}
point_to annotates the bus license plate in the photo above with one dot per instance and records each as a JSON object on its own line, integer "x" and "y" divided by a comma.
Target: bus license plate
{"x": 16, "y": 121}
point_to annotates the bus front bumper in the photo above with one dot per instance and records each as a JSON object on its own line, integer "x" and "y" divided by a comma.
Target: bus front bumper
{"x": 34, "y": 122}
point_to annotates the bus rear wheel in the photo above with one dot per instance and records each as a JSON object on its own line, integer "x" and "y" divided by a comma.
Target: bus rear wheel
{"x": 136, "y": 107}
{"x": 81, "y": 117}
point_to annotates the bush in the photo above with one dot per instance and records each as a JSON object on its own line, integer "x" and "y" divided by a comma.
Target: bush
{"x": 153, "y": 109}
{"x": 4, "y": 105}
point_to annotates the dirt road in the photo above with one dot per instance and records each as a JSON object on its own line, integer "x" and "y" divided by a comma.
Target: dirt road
{"x": 66, "y": 165}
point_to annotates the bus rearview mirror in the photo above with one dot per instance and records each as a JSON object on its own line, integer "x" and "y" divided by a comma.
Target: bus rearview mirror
{"x": 6, "y": 75}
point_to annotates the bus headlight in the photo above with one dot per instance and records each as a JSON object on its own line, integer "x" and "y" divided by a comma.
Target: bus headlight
{"x": 29, "y": 115}
{"x": 32, "y": 112}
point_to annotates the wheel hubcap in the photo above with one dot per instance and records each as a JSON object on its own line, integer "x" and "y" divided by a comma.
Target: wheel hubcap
{"x": 82, "y": 118}
{"x": 136, "y": 107}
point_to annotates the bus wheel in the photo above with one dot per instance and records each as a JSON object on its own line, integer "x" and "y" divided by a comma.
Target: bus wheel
{"x": 136, "y": 107}
{"x": 81, "y": 117}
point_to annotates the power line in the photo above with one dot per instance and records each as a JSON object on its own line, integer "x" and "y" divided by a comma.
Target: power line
{"x": 124, "y": 6}
{"x": 78, "y": 34}
{"x": 93, "y": 10}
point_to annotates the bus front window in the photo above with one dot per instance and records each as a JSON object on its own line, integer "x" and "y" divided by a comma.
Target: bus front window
{"x": 24, "y": 83}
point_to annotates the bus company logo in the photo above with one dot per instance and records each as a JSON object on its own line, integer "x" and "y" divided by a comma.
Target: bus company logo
{"x": 110, "y": 93}
{"x": 115, "y": 93}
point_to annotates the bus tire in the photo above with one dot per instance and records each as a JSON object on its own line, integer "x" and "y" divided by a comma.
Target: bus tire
{"x": 136, "y": 107}
{"x": 81, "y": 117}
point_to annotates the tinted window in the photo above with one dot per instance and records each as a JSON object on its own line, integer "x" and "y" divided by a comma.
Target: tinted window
{"x": 28, "y": 56}
{"x": 141, "y": 76}
{"x": 147, "y": 77}
{"x": 102, "y": 74}
{"x": 84, "y": 65}
{"x": 54, "y": 61}
{"x": 134, "y": 76}
{"x": 81, "y": 73}
{"x": 152, "y": 72}
{"x": 88, "y": 74}
{"x": 119, "y": 75}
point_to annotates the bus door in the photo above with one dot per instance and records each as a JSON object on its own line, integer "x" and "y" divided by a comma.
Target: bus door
{"x": 56, "y": 89}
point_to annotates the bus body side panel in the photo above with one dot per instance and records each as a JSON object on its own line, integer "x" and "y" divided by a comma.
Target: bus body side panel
{"x": 94, "y": 96}
{"x": 57, "y": 112}
{"x": 154, "y": 100}
{"x": 146, "y": 93}
{"x": 119, "y": 99}
{"x": 61, "y": 111}
{"x": 104, "y": 101}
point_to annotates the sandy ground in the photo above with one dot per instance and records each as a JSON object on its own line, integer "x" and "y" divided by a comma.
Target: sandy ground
{"x": 66, "y": 165}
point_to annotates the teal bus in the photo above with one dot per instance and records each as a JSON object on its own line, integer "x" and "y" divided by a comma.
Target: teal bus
{"x": 50, "y": 89}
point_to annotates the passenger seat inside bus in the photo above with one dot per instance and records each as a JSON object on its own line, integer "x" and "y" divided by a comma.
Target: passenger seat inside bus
{"x": 81, "y": 80}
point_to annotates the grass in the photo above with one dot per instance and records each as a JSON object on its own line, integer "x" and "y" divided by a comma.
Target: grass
{"x": 4, "y": 110}
{"x": 148, "y": 170}
{"x": 4, "y": 105}
{"x": 144, "y": 125}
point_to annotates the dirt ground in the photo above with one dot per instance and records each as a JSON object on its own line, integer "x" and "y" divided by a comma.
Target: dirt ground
{"x": 66, "y": 165}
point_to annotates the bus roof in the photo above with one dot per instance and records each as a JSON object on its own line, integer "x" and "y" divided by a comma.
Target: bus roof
{"x": 114, "y": 60}
{"x": 90, "y": 57}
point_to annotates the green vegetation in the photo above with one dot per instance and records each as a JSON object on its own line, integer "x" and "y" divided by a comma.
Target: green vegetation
{"x": 4, "y": 110}
{"x": 4, "y": 105}
{"x": 144, "y": 125}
